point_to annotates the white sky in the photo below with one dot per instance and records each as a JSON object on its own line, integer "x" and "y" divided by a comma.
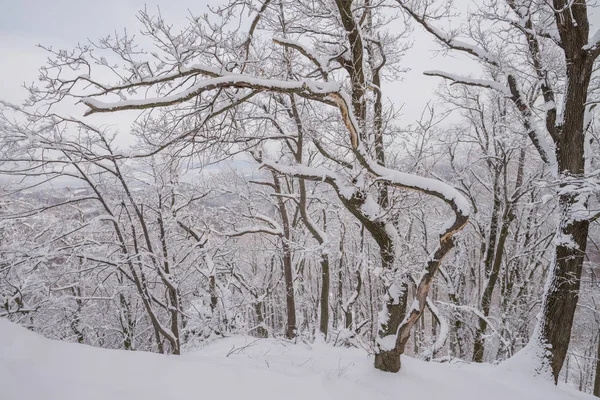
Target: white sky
{"x": 64, "y": 23}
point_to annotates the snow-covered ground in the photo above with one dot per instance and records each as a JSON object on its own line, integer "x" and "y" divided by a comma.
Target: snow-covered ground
{"x": 34, "y": 368}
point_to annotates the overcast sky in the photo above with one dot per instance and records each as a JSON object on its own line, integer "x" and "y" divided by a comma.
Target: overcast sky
{"x": 64, "y": 23}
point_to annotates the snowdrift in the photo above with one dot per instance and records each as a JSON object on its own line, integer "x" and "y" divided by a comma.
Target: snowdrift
{"x": 35, "y": 368}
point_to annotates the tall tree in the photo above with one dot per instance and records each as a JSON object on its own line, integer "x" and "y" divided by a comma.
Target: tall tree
{"x": 202, "y": 90}
{"x": 552, "y": 55}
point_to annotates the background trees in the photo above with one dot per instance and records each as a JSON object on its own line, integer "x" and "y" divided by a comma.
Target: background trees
{"x": 554, "y": 62}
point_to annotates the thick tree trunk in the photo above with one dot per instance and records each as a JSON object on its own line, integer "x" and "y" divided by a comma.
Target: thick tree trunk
{"x": 395, "y": 297}
{"x": 394, "y": 300}
{"x": 562, "y": 289}
{"x": 560, "y": 302}
{"x": 388, "y": 357}
{"x": 392, "y": 346}
{"x": 388, "y": 360}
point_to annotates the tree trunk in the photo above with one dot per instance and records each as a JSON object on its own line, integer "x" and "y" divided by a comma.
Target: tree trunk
{"x": 212, "y": 288}
{"x": 597, "y": 377}
{"x": 290, "y": 302}
{"x": 562, "y": 291}
{"x": 353, "y": 298}
{"x": 126, "y": 323}
{"x": 324, "y": 322}
{"x": 260, "y": 330}
{"x": 340, "y": 282}
{"x": 388, "y": 356}
{"x": 288, "y": 276}
{"x": 562, "y": 288}
{"x": 486, "y": 299}
{"x": 172, "y": 294}
{"x": 394, "y": 300}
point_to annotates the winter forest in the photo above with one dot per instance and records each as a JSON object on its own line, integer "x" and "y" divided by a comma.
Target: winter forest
{"x": 267, "y": 186}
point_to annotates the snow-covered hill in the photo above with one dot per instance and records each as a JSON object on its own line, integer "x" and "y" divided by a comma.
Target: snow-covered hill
{"x": 34, "y": 368}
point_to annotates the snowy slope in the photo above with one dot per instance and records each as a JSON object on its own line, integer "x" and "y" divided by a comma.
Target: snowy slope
{"x": 34, "y": 368}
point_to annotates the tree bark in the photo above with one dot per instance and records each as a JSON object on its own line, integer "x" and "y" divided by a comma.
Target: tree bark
{"x": 597, "y": 376}
{"x": 288, "y": 277}
{"x": 486, "y": 299}
{"x": 260, "y": 330}
{"x": 324, "y": 318}
{"x": 388, "y": 359}
{"x": 562, "y": 291}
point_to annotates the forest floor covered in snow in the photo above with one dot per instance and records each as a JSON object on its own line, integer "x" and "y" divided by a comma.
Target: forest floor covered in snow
{"x": 35, "y": 368}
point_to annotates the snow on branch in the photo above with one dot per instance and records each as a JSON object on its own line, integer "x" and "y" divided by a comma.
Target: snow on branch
{"x": 320, "y": 64}
{"x": 485, "y": 83}
{"x": 442, "y": 336}
{"x": 305, "y": 88}
{"x": 479, "y": 314}
{"x": 273, "y": 227}
{"x": 448, "y": 40}
{"x": 445, "y": 192}
{"x": 253, "y": 229}
{"x": 274, "y": 224}
{"x": 534, "y": 131}
{"x": 313, "y": 174}
{"x": 537, "y": 138}
{"x": 184, "y": 71}
{"x": 594, "y": 42}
